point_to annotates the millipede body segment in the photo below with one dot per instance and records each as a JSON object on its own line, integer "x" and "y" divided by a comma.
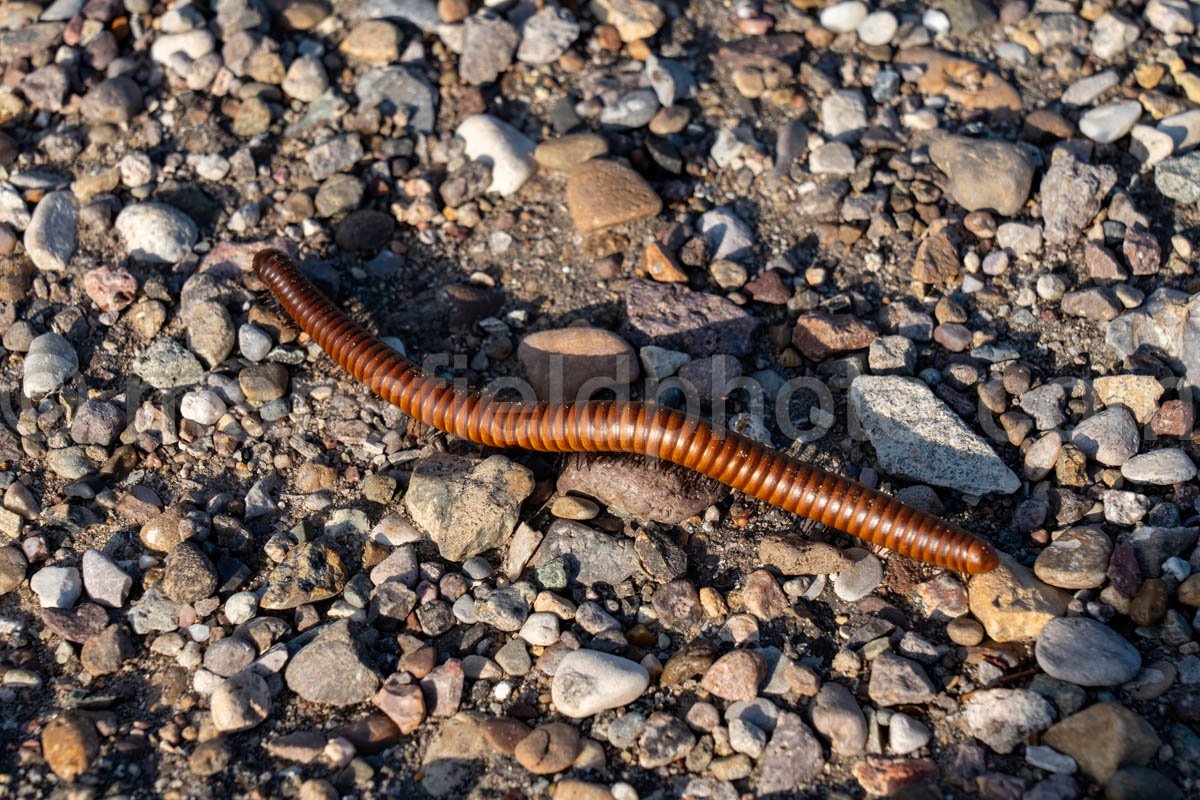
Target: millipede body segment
{"x": 638, "y": 428}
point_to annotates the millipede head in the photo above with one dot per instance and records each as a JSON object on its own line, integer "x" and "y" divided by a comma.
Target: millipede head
{"x": 981, "y": 558}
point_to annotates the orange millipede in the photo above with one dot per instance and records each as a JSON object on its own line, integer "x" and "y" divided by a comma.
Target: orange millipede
{"x": 621, "y": 427}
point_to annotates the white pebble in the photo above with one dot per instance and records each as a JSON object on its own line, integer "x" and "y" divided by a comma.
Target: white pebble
{"x": 844, "y": 17}
{"x": 241, "y": 607}
{"x": 202, "y": 406}
{"x": 57, "y": 587}
{"x": 878, "y": 28}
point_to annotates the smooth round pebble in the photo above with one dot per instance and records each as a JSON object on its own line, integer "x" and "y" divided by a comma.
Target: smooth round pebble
{"x": 1086, "y": 652}
{"x": 587, "y": 682}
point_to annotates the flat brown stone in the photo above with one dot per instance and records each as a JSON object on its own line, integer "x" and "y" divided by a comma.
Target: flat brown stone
{"x": 603, "y": 193}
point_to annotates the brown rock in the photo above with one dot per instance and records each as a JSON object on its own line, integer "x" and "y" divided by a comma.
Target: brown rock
{"x": 105, "y": 652}
{"x": 660, "y": 265}
{"x": 559, "y": 363}
{"x": 551, "y": 748}
{"x": 640, "y": 487}
{"x": 603, "y": 193}
{"x": 796, "y": 556}
{"x": 937, "y": 259}
{"x": 370, "y": 735}
{"x": 567, "y": 152}
{"x": 763, "y": 597}
{"x": 1149, "y": 605}
{"x": 1012, "y": 604}
{"x": 736, "y": 675}
{"x": 76, "y": 624}
{"x": 69, "y": 743}
{"x": 1104, "y": 738}
{"x": 691, "y": 660}
{"x": 820, "y": 335}
{"x": 885, "y": 777}
{"x": 402, "y": 702}
{"x": 504, "y": 733}
{"x": 312, "y": 571}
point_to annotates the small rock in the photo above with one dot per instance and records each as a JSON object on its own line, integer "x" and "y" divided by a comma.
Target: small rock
{"x": 156, "y": 233}
{"x": 1003, "y": 718}
{"x": 241, "y": 702}
{"x": 335, "y": 651}
{"x": 1012, "y": 604}
{"x": 505, "y": 149}
{"x": 1086, "y": 652}
{"x": 1104, "y": 738}
{"x": 587, "y": 682}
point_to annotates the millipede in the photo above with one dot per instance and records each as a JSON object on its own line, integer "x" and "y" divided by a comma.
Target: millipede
{"x": 621, "y": 427}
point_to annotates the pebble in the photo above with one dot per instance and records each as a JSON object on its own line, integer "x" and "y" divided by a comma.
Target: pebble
{"x": 559, "y": 363}
{"x": 736, "y": 675}
{"x": 240, "y": 702}
{"x": 69, "y": 744}
{"x": 113, "y": 101}
{"x": 1110, "y": 436}
{"x": 546, "y": 35}
{"x": 907, "y": 735}
{"x": 1165, "y": 467}
{"x": 859, "y": 580}
{"x": 506, "y": 150}
{"x": 156, "y": 233}
{"x": 310, "y": 572}
{"x": 106, "y": 583}
{"x": 837, "y": 717}
{"x": 1012, "y": 604}
{"x": 639, "y": 488}
{"x": 1004, "y": 718}
{"x": 587, "y": 682}
{"x": 51, "y": 234}
{"x": 1108, "y": 123}
{"x": 12, "y": 569}
{"x": 674, "y": 317}
{"x": 1076, "y": 559}
{"x": 729, "y": 237}
{"x": 985, "y": 174}
{"x": 602, "y": 193}
{"x": 467, "y": 506}
{"x": 792, "y": 759}
{"x": 1179, "y": 178}
{"x": 56, "y": 587}
{"x": 548, "y": 749}
{"x": 1104, "y": 738}
{"x": 844, "y": 114}
{"x": 49, "y": 363}
{"x": 844, "y": 17}
{"x": 633, "y": 19}
{"x": 335, "y": 651}
{"x": 489, "y": 43}
{"x": 1086, "y": 652}
{"x": 916, "y": 436}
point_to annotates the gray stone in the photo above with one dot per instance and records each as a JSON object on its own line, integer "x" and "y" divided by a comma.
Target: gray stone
{"x": 1179, "y": 178}
{"x": 918, "y": 437}
{"x": 546, "y": 35}
{"x": 50, "y": 237}
{"x": 167, "y": 364}
{"x": 728, "y": 235}
{"x": 792, "y": 759}
{"x": 837, "y": 717}
{"x": 332, "y": 669}
{"x": 466, "y": 506}
{"x": 488, "y": 46}
{"x": 106, "y": 583}
{"x": 1110, "y": 437}
{"x": 240, "y": 702}
{"x": 672, "y": 316}
{"x": 1085, "y": 652}
{"x": 1072, "y": 193}
{"x": 50, "y": 362}
{"x": 1164, "y": 467}
{"x": 985, "y": 174}
{"x": 591, "y": 556}
{"x": 1003, "y": 718}
{"x": 587, "y": 682}
{"x": 156, "y": 233}
{"x": 400, "y": 89}
{"x": 896, "y": 680}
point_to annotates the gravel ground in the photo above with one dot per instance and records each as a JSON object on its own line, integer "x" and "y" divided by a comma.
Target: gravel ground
{"x": 966, "y": 232}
